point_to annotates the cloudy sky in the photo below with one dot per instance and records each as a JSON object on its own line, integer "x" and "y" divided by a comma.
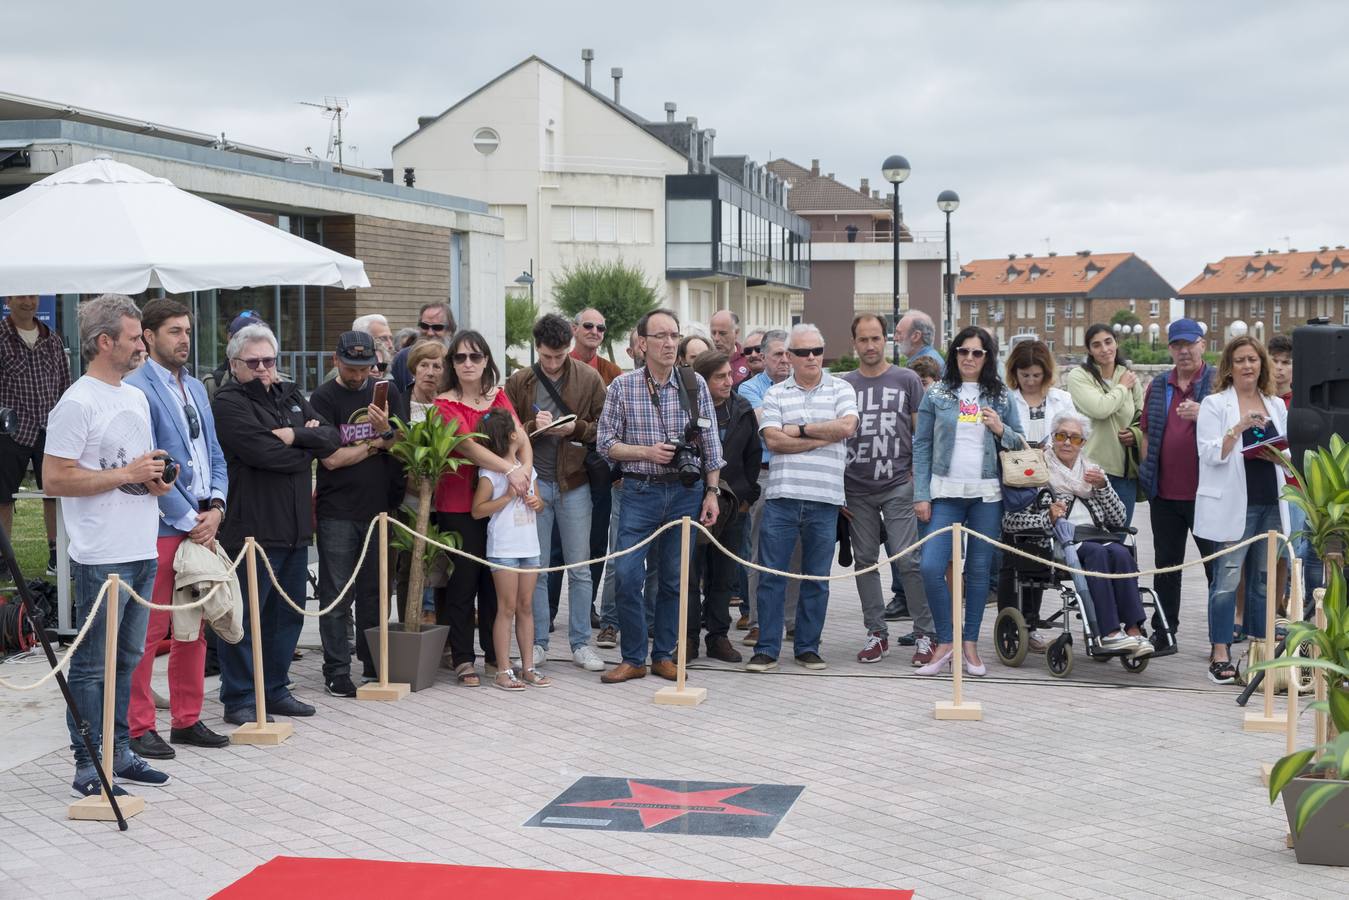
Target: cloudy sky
{"x": 1184, "y": 131}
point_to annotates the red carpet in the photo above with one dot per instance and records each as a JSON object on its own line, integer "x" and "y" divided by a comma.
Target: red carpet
{"x": 289, "y": 878}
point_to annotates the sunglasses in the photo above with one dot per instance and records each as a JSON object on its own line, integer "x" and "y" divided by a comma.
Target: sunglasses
{"x": 595, "y": 326}
{"x": 262, "y": 362}
{"x": 803, "y": 352}
{"x": 751, "y": 351}
{"x": 976, "y": 352}
{"x": 461, "y": 358}
{"x": 193, "y": 421}
{"x": 1064, "y": 437}
{"x": 428, "y": 326}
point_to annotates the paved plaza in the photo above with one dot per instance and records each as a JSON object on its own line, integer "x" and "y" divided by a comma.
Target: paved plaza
{"x": 1106, "y": 784}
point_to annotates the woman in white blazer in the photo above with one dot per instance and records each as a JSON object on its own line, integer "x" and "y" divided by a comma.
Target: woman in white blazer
{"x": 1238, "y": 497}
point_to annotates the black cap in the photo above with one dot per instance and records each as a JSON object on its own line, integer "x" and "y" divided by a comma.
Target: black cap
{"x": 356, "y": 348}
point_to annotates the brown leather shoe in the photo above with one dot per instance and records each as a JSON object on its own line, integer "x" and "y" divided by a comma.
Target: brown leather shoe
{"x": 720, "y": 648}
{"x": 666, "y": 669}
{"x": 623, "y": 672}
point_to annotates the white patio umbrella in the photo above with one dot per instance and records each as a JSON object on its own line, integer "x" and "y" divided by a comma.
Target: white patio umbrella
{"x": 104, "y": 226}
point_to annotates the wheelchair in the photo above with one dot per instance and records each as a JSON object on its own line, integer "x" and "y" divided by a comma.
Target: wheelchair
{"x": 1011, "y": 631}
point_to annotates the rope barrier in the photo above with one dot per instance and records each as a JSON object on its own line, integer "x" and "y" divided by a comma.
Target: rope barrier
{"x": 70, "y": 651}
{"x": 341, "y": 595}
{"x": 851, "y": 573}
{"x": 174, "y": 607}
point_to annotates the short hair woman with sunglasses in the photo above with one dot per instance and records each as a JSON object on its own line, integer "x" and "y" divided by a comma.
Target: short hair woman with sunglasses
{"x": 1238, "y": 493}
{"x": 469, "y": 390}
{"x": 963, "y": 421}
{"x": 1081, "y": 494}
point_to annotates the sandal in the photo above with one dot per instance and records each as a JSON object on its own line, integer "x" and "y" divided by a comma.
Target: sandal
{"x": 466, "y": 675}
{"x": 1224, "y": 672}
{"x": 507, "y": 681}
{"x": 534, "y": 679}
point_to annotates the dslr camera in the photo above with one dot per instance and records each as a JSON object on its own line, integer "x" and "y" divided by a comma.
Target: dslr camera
{"x": 687, "y": 460}
{"x": 171, "y": 468}
{"x": 9, "y": 422}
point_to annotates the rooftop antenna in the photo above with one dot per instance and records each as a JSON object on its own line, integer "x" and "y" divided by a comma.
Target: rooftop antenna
{"x": 1047, "y": 247}
{"x": 334, "y": 108}
{"x": 1287, "y": 244}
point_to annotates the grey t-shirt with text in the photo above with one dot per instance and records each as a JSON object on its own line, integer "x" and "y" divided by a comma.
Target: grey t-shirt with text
{"x": 880, "y": 454}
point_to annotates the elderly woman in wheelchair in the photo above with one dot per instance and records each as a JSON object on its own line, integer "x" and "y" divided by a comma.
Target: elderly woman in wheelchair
{"x": 1079, "y": 519}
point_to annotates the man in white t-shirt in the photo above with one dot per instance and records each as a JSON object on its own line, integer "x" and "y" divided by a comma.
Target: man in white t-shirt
{"x": 101, "y": 461}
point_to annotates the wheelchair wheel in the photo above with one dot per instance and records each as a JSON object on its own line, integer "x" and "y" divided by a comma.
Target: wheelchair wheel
{"x": 1134, "y": 666}
{"x": 1011, "y": 638}
{"x": 1060, "y": 658}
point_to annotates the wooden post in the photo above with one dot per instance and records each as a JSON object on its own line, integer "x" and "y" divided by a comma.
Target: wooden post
{"x": 1265, "y": 719}
{"x": 957, "y": 707}
{"x": 383, "y": 690}
{"x": 1319, "y": 692}
{"x": 680, "y": 695}
{"x": 260, "y": 732}
{"x": 1290, "y": 713}
{"x": 99, "y": 809}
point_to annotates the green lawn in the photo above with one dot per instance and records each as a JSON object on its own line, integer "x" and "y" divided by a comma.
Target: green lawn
{"x": 30, "y": 537}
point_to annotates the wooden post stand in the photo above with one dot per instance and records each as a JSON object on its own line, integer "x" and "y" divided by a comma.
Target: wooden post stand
{"x": 681, "y": 695}
{"x": 958, "y": 707}
{"x": 99, "y": 809}
{"x": 1290, "y": 713}
{"x": 1265, "y": 719}
{"x": 384, "y": 690}
{"x": 1319, "y": 692}
{"x": 260, "y": 732}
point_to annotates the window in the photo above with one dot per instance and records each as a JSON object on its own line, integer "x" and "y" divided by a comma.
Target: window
{"x": 514, "y": 219}
{"x": 974, "y": 312}
{"x": 1050, "y": 345}
{"x": 602, "y": 224}
{"x": 485, "y": 141}
{"x": 1049, "y": 315}
{"x": 1020, "y": 310}
{"x": 1213, "y": 316}
{"x": 1154, "y": 309}
{"x": 1278, "y": 316}
{"x": 1346, "y": 311}
{"x": 606, "y": 225}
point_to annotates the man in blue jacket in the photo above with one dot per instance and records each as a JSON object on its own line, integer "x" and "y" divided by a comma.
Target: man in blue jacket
{"x": 185, "y": 429}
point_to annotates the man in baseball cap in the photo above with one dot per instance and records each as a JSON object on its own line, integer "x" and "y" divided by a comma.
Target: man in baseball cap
{"x": 1170, "y": 470}
{"x": 244, "y": 319}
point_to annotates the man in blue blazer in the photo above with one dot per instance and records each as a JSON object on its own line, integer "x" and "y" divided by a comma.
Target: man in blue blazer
{"x": 185, "y": 429}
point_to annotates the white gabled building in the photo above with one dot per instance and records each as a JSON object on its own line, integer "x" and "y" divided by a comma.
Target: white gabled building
{"x": 575, "y": 176}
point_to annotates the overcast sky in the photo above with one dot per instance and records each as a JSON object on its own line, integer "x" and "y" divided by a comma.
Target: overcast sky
{"x": 1184, "y": 131}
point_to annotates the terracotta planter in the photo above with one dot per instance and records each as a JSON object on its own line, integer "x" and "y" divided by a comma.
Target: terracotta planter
{"x": 1324, "y": 840}
{"x": 414, "y": 657}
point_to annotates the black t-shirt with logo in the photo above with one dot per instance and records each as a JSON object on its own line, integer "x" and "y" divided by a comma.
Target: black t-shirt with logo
{"x": 356, "y": 493}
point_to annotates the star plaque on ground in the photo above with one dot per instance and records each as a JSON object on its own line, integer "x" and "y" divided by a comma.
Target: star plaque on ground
{"x": 719, "y": 809}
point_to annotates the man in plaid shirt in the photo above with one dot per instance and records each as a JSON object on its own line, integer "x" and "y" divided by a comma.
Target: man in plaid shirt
{"x": 644, "y": 414}
{"x": 34, "y": 373}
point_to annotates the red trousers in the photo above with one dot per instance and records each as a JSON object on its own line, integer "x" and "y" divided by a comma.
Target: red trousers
{"x": 187, "y": 659}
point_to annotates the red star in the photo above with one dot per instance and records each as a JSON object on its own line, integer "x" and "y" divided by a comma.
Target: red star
{"x": 657, "y": 805}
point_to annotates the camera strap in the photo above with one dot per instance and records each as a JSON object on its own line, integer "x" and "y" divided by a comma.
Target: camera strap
{"x": 551, "y": 389}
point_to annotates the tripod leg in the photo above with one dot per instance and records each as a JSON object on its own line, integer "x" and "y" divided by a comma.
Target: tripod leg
{"x": 30, "y": 607}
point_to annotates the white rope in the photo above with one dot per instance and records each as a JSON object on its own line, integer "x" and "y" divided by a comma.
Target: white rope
{"x": 195, "y": 604}
{"x": 355, "y": 571}
{"x": 851, "y": 573}
{"x": 70, "y": 651}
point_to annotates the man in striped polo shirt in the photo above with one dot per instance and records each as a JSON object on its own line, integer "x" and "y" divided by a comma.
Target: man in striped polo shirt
{"x": 806, "y": 421}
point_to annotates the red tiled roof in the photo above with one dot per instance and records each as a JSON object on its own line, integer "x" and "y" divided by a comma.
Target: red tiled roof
{"x": 1325, "y": 271}
{"x": 1036, "y": 275}
{"x": 815, "y": 192}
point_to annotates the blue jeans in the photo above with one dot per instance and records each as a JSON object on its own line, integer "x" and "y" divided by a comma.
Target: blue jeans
{"x": 977, "y": 515}
{"x": 571, "y": 511}
{"x": 280, "y": 632}
{"x": 608, "y": 601}
{"x": 1127, "y": 488}
{"x": 86, "y": 667}
{"x": 815, "y": 525}
{"x": 1313, "y": 572}
{"x": 1222, "y": 593}
{"x": 646, "y": 507}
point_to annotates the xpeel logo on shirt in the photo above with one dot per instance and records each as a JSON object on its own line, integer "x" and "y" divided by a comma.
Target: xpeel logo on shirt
{"x": 356, "y": 429}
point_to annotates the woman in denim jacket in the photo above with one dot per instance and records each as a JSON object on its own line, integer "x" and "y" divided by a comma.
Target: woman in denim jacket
{"x": 963, "y": 421}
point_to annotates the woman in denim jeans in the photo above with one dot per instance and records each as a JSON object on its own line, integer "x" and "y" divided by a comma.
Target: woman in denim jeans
{"x": 964, "y": 420}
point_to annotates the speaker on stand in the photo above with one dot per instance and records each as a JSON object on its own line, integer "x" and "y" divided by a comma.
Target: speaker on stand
{"x": 1320, "y": 386}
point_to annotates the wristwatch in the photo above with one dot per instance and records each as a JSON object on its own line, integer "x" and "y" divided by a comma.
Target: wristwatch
{"x": 387, "y": 435}
{"x": 801, "y": 430}
{"x": 218, "y": 505}
{"x": 712, "y": 489}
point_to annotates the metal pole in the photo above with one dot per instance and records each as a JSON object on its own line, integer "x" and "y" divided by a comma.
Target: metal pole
{"x": 895, "y": 322}
{"x": 950, "y": 281}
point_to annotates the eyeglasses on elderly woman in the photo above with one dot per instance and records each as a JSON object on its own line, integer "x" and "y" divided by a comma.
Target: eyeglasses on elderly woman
{"x": 1063, "y": 437}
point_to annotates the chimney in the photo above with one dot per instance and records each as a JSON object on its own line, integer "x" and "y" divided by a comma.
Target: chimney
{"x": 616, "y": 73}
{"x": 587, "y": 57}
{"x": 1011, "y": 256}
{"x": 409, "y": 176}
{"x": 1053, "y": 253}
{"x": 1325, "y": 247}
{"x": 711, "y": 135}
{"x": 830, "y": 176}
{"x": 423, "y": 121}
{"x": 1028, "y": 255}
{"x": 815, "y": 167}
{"x": 875, "y": 194}
{"x": 866, "y": 185}
{"x": 1084, "y": 253}
{"x": 670, "y": 110}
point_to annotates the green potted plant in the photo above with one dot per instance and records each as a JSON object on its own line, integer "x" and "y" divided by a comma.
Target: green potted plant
{"x": 1314, "y": 781}
{"x": 426, "y": 450}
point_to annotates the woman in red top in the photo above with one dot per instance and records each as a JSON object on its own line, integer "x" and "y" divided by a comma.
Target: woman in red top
{"x": 470, "y": 390}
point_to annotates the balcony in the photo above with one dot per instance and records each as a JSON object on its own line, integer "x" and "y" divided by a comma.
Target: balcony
{"x": 874, "y": 244}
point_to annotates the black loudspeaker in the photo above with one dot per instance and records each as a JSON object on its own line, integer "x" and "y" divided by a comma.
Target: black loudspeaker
{"x": 1320, "y": 387}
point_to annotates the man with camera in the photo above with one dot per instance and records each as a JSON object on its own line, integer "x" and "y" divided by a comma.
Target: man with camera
{"x": 659, "y": 422}
{"x": 806, "y": 422}
{"x": 184, "y": 428}
{"x": 102, "y": 462}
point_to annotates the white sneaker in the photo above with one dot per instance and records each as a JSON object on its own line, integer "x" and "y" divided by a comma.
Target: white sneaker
{"x": 540, "y": 655}
{"x": 587, "y": 659}
{"x": 1119, "y": 641}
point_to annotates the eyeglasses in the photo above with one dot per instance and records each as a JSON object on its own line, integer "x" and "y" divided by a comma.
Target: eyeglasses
{"x": 672, "y": 337}
{"x": 595, "y": 326}
{"x": 262, "y": 362}
{"x": 1064, "y": 437}
{"x": 461, "y": 358}
{"x": 804, "y": 352}
{"x": 432, "y": 326}
{"x": 976, "y": 352}
{"x": 756, "y": 349}
{"x": 193, "y": 421}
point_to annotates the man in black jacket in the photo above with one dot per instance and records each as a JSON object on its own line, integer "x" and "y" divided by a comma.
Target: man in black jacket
{"x": 270, "y": 436}
{"x": 743, "y": 452}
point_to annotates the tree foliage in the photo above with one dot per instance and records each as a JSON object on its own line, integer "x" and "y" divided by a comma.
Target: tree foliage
{"x": 620, "y": 292}
{"x": 1124, "y": 317}
{"x": 521, "y": 313}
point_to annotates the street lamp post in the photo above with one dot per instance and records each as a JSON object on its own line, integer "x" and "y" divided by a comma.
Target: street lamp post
{"x": 947, "y": 202}
{"x": 895, "y": 169}
{"x": 526, "y": 279}
{"x": 1138, "y": 332}
{"x": 1153, "y": 330}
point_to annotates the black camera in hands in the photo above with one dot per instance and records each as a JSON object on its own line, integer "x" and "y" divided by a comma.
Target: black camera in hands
{"x": 9, "y": 422}
{"x": 171, "y": 468}
{"x": 688, "y": 459}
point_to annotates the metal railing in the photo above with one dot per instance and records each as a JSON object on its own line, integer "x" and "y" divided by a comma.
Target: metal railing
{"x": 873, "y": 236}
